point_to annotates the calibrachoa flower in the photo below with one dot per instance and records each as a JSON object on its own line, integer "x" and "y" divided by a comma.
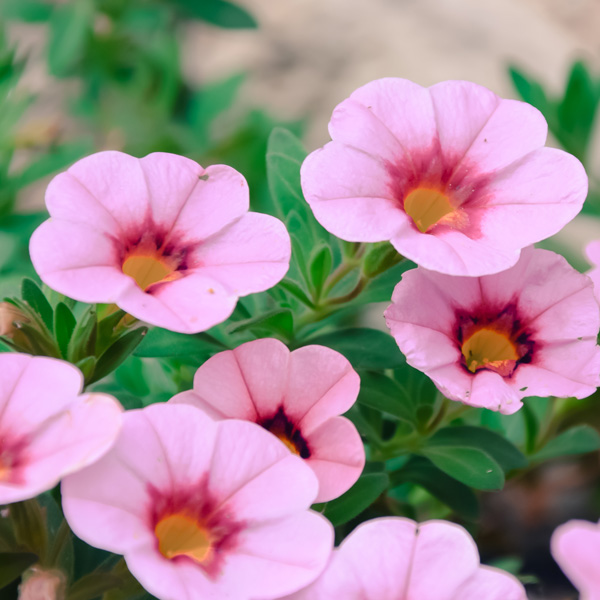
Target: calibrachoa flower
{"x": 575, "y": 547}
{"x": 592, "y": 251}
{"x": 166, "y": 240}
{"x": 394, "y": 558}
{"x": 295, "y": 395}
{"x": 47, "y": 429}
{"x": 454, "y": 176}
{"x": 201, "y": 509}
{"x": 489, "y": 341}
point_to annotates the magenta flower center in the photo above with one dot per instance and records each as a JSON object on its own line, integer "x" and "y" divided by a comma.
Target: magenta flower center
{"x": 181, "y": 535}
{"x": 427, "y": 207}
{"x": 281, "y": 427}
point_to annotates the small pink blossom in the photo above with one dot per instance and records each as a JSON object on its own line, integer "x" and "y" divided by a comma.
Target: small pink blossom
{"x": 297, "y": 396}
{"x": 490, "y": 341}
{"x": 41, "y": 584}
{"x": 576, "y": 548}
{"x": 47, "y": 429}
{"x": 393, "y": 558}
{"x": 166, "y": 240}
{"x": 455, "y": 177}
{"x": 592, "y": 252}
{"x": 201, "y": 509}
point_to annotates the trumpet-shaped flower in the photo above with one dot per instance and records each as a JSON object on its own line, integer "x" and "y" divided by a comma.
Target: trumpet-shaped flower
{"x": 394, "y": 558}
{"x": 455, "y": 177}
{"x": 166, "y": 240}
{"x": 47, "y": 429}
{"x": 297, "y": 396}
{"x": 490, "y": 341}
{"x": 201, "y": 509}
{"x": 576, "y": 548}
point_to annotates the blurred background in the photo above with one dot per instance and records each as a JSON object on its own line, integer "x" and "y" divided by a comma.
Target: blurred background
{"x": 210, "y": 79}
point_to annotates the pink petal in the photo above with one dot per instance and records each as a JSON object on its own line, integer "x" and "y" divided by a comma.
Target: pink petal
{"x": 490, "y": 390}
{"x": 78, "y": 260}
{"x": 532, "y": 199}
{"x": 250, "y": 255}
{"x": 444, "y": 558}
{"x": 337, "y": 457}
{"x": 188, "y": 305}
{"x": 576, "y": 547}
{"x": 491, "y": 584}
{"x": 321, "y": 384}
{"x": 592, "y": 251}
{"x": 256, "y": 476}
{"x": 353, "y": 201}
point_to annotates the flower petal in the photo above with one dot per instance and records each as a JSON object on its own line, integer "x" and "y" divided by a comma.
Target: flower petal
{"x": 491, "y": 584}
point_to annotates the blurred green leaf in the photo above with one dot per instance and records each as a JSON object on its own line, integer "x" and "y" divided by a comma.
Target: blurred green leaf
{"x": 71, "y": 26}
{"x": 364, "y": 348}
{"x": 64, "y": 325}
{"x": 457, "y": 496}
{"x": 13, "y": 564}
{"x": 117, "y": 352}
{"x": 29, "y": 523}
{"x": 217, "y": 12}
{"x": 470, "y": 466}
{"x": 33, "y": 295}
{"x": 320, "y": 266}
{"x": 279, "y": 320}
{"x": 296, "y": 290}
{"x": 507, "y": 455}
{"x": 357, "y": 499}
{"x": 382, "y": 393}
{"x": 577, "y": 440}
{"x": 83, "y": 340}
{"x": 530, "y": 90}
{"x": 31, "y": 11}
{"x": 161, "y": 342}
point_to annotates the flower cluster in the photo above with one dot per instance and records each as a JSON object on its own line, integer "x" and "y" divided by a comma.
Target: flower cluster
{"x": 209, "y": 494}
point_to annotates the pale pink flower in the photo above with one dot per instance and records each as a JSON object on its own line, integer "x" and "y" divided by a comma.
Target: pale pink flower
{"x": 47, "y": 428}
{"x": 166, "y": 240}
{"x": 297, "y": 396}
{"x": 41, "y": 584}
{"x": 393, "y": 558}
{"x": 490, "y": 341}
{"x": 576, "y": 548}
{"x": 592, "y": 251}
{"x": 201, "y": 509}
{"x": 455, "y": 177}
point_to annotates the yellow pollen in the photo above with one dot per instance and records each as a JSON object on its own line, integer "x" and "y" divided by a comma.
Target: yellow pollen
{"x": 286, "y": 440}
{"x": 180, "y": 535}
{"x": 489, "y": 348}
{"x": 147, "y": 269}
{"x": 427, "y": 207}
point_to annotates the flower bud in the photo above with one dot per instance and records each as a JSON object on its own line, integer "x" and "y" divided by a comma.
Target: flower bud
{"x": 39, "y": 584}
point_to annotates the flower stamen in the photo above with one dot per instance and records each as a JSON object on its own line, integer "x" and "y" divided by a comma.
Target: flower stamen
{"x": 427, "y": 207}
{"x": 149, "y": 269}
{"x": 180, "y": 535}
{"x": 491, "y": 349}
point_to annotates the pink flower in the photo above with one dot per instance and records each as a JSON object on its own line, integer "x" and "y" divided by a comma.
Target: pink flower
{"x": 201, "y": 509}
{"x": 169, "y": 242}
{"x": 592, "y": 252}
{"x": 393, "y": 558}
{"x": 296, "y": 396}
{"x": 492, "y": 340}
{"x": 47, "y": 429}
{"x": 41, "y": 584}
{"x": 454, "y": 176}
{"x": 576, "y": 548}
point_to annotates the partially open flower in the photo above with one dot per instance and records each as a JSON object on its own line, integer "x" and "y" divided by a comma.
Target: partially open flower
{"x": 397, "y": 559}
{"x": 169, "y": 242}
{"x": 490, "y": 341}
{"x": 455, "y": 177}
{"x": 201, "y": 509}
{"x": 297, "y": 396}
{"x": 9, "y": 314}
{"x": 576, "y": 548}
{"x": 47, "y": 429}
{"x": 42, "y": 584}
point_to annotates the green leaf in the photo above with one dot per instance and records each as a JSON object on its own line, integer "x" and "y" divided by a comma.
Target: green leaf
{"x": 29, "y": 523}
{"x": 364, "y": 348}
{"x": 470, "y": 466}
{"x": 320, "y": 266}
{"x": 280, "y": 320}
{"x": 357, "y": 499}
{"x": 577, "y": 440}
{"x": 379, "y": 258}
{"x": 384, "y": 394}
{"x": 64, "y": 325}
{"x": 421, "y": 471}
{"x": 381, "y": 287}
{"x": 86, "y": 366}
{"x": 34, "y": 296}
{"x": 83, "y": 340}
{"x": 160, "y": 342}
{"x": 117, "y": 352}
{"x": 217, "y": 12}
{"x": 13, "y": 564}
{"x": 70, "y": 28}
{"x": 507, "y": 455}
{"x": 30, "y": 11}
{"x": 530, "y": 90}
{"x": 295, "y": 290}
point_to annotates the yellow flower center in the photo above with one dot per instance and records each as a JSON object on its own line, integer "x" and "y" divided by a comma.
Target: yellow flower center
{"x": 286, "y": 440}
{"x": 148, "y": 269}
{"x": 180, "y": 535}
{"x": 427, "y": 207}
{"x": 489, "y": 348}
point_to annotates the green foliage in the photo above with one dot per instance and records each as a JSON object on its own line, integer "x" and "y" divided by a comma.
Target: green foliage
{"x": 577, "y": 440}
{"x": 13, "y": 564}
